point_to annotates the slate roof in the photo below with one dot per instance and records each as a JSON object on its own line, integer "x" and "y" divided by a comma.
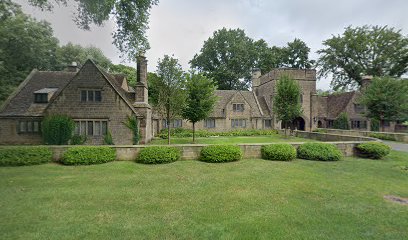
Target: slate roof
{"x": 337, "y": 103}
{"x": 21, "y": 103}
{"x": 225, "y": 96}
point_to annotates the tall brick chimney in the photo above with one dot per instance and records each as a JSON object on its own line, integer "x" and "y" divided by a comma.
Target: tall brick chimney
{"x": 365, "y": 82}
{"x": 141, "y": 82}
{"x": 256, "y": 81}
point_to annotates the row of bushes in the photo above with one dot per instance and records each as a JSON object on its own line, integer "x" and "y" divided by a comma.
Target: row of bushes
{"x": 382, "y": 136}
{"x": 85, "y": 155}
{"x": 181, "y": 132}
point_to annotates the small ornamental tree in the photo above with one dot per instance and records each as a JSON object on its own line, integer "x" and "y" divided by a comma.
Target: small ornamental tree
{"x": 342, "y": 122}
{"x": 286, "y": 101}
{"x": 200, "y": 98}
{"x": 57, "y": 129}
{"x": 386, "y": 100}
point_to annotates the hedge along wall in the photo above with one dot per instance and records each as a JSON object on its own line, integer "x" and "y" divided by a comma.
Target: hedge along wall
{"x": 400, "y": 137}
{"x": 190, "y": 151}
{"x": 328, "y": 137}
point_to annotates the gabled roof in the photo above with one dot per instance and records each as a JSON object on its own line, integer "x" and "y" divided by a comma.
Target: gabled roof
{"x": 337, "y": 103}
{"x": 21, "y": 102}
{"x": 225, "y": 96}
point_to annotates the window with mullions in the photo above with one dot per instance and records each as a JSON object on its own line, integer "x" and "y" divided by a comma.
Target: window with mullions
{"x": 238, "y": 107}
{"x": 209, "y": 123}
{"x": 91, "y": 96}
{"x": 91, "y": 127}
{"x": 176, "y": 123}
{"x": 41, "y": 98}
{"x": 238, "y": 123}
{"x": 29, "y": 126}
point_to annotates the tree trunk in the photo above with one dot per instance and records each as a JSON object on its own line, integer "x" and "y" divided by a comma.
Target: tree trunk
{"x": 193, "y": 132}
{"x": 382, "y": 125}
{"x": 168, "y": 127}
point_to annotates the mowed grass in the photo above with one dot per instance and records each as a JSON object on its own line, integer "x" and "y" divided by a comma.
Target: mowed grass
{"x": 249, "y": 199}
{"x": 231, "y": 140}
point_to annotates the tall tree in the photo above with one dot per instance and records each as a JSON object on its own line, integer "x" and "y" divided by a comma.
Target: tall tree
{"x": 296, "y": 55}
{"x": 131, "y": 17}
{"x": 25, "y": 43}
{"x": 130, "y": 72}
{"x": 169, "y": 86}
{"x": 227, "y": 57}
{"x": 386, "y": 100}
{"x": 76, "y": 53}
{"x": 366, "y": 50}
{"x": 286, "y": 101}
{"x": 200, "y": 98}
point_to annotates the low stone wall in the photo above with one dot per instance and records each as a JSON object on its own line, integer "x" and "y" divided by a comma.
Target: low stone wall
{"x": 192, "y": 151}
{"x": 400, "y": 137}
{"x": 331, "y": 137}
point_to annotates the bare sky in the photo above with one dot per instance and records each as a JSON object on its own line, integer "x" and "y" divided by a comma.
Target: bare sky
{"x": 180, "y": 27}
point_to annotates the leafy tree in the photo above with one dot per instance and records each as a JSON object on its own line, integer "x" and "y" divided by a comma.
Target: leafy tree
{"x": 25, "y": 43}
{"x": 57, "y": 129}
{"x": 267, "y": 57}
{"x": 367, "y": 50}
{"x": 130, "y": 72}
{"x": 386, "y": 100}
{"x": 296, "y": 55}
{"x": 342, "y": 122}
{"x": 76, "y": 53}
{"x": 169, "y": 86}
{"x": 200, "y": 98}
{"x": 227, "y": 57}
{"x": 131, "y": 17}
{"x": 153, "y": 79}
{"x": 286, "y": 104}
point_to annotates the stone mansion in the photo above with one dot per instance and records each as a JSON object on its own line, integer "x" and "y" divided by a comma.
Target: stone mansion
{"x": 99, "y": 102}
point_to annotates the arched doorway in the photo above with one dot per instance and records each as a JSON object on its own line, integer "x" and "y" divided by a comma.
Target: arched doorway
{"x": 299, "y": 124}
{"x": 319, "y": 124}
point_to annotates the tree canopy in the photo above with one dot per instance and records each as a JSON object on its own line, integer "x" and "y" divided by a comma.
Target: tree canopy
{"x": 366, "y": 50}
{"x": 286, "y": 101}
{"x": 230, "y": 55}
{"x": 131, "y": 17}
{"x": 200, "y": 98}
{"x": 386, "y": 99}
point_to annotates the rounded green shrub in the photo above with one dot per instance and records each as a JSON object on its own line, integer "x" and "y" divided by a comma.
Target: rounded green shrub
{"x": 158, "y": 154}
{"x": 319, "y": 151}
{"x": 20, "y": 156}
{"x": 220, "y": 153}
{"x": 281, "y": 152}
{"x": 57, "y": 129}
{"x": 374, "y": 150}
{"x": 87, "y": 155}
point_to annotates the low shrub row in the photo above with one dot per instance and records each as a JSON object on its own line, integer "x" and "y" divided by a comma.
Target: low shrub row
{"x": 181, "y": 132}
{"x": 373, "y": 150}
{"x": 281, "y": 152}
{"x": 20, "y": 156}
{"x": 220, "y": 153}
{"x": 158, "y": 154}
{"x": 382, "y": 136}
{"x": 86, "y": 155}
{"x": 319, "y": 151}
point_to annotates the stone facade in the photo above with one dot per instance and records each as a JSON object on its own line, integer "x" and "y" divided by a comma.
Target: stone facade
{"x": 97, "y": 101}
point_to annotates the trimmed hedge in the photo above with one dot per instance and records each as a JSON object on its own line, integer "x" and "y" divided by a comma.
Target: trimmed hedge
{"x": 20, "y": 156}
{"x": 158, "y": 154}
{"x": 374, "y": 150}
{"x": 281, "y": 152}
{"x": 87, "y": 155}
{"x": 181, "y": 133}
{"x": 319, "y": 151}
{"x": 220, "y": 153}
{"x": 382, "y": 136}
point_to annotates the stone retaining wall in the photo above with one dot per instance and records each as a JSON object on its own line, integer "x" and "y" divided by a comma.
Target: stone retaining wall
{"x": 400, "y": 137}
{"x": 192, "y": 151}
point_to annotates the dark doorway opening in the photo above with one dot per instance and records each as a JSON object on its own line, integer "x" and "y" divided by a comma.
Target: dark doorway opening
{"x": 299, "y": 124}
{"x": 319, "y": 124}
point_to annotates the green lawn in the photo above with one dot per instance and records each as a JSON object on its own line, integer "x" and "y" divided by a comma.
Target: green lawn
{"x": 232, "y": 140}
{"x": 250, "y": 199}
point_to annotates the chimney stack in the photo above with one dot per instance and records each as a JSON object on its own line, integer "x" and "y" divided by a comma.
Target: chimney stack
{"x": 141, "y": 83}
{"x": 365, "y": 82}
{"x": 73, "y": 67}
{"x": 256, "y": 75}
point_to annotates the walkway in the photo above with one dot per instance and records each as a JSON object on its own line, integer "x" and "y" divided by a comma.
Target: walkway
{"x": 397, "y": 145}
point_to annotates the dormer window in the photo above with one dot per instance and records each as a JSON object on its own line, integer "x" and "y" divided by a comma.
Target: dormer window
{"x": 44, "y": 95}
{"x": 41, "y": 98}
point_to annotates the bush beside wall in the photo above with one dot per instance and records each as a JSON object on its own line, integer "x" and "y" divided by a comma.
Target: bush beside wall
{"x": 20, "y": 156}
{"x": 319, "y": 151}
{"x": 382, "y": 136}
{"x": 374, "y": 150}
{"x": 220, "y": 153}
{"x": 181, "y": 132}
{"x": 281, "y": 152}
{"x": 158, "y": 154}
{"x": 87, "y": 155}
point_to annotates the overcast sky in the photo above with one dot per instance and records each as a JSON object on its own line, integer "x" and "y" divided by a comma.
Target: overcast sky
{"x": 180, "y": 27}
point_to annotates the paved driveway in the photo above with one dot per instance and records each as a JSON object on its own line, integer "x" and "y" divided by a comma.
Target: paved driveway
{"x": 397, "y": 145}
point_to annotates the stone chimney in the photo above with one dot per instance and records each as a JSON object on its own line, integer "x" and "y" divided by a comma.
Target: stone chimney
{"x": 73, "y": 67}
{"x": 141, "y": 83}
{"x": 256, "y": 78}
{"x": 365, "y": 82}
